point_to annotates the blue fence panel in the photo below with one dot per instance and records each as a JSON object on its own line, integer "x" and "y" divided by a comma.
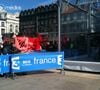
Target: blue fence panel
{"x": 37, "y": 61}
{"x": 4, "y": 64}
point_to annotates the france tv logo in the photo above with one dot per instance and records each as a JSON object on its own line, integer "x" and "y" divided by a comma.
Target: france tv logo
{"x": 60, "y": 57}
{"x": 15, "y": 63}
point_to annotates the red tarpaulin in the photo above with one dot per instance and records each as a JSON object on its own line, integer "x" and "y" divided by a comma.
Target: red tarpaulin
{"x": 27, "y": 44}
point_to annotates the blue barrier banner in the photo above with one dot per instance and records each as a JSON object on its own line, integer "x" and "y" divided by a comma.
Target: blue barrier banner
{"x": 37, "y": 61}
{"x": 4, "y": 64}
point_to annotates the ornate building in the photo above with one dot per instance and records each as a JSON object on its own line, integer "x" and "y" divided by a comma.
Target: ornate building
{"x": 2, "y": 22}
{"x": 42, "y": 19}
{"x": 75, "y": 24}
{"x": 12, "y": 23}
{"x": 9, "y": 23}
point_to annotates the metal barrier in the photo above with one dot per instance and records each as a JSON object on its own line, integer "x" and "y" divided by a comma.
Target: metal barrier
{"x": 31, "y": 61}
{"x": 4, "y": 64}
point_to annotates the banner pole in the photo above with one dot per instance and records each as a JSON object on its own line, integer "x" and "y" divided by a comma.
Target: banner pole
{"x": 59, "y": 25}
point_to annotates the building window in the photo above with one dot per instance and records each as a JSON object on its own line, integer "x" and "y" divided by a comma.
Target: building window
{"x": 64, "y": 18}
{"x": 54, "y": 21}
{"x": 11, "y": 28}
{"x": 42, "y": 22}
{"x": 2, "y": 31}
{"x": 68, "y": 17}
{"x": 16, "y": 29}
{"x": 82, "y": 15}
{"x": 2, "y": 24}
{"x": 2, "y": 16}
{"x": 74, "y": 29}
{"x": 79, "y": 15}
{"x": 75, "y": 16}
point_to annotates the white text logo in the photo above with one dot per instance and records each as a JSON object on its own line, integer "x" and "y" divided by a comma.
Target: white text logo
{"x": 15, "y": 63}
{"x": 59, "y": 59}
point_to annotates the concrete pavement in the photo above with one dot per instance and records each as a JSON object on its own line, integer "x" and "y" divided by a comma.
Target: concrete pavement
{"x": 52, "y": 80}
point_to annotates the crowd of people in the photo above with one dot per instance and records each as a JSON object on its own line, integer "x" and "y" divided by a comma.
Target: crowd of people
{"x": 6, "y": 44}
{"x": 11, "y": 44}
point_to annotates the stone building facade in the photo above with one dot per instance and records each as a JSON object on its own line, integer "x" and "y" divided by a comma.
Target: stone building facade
{"x": 9, "y": 23}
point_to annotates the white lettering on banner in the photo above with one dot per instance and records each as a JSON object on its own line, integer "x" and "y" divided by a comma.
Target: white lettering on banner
{"x": 44, "y": 60}
{"x": 0, "y": 65}
{"x": 15, "y": 64}
{"x": 6, "y": 63}
{"x": 59, "y": 59}
{"x": 26, "y": 63}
